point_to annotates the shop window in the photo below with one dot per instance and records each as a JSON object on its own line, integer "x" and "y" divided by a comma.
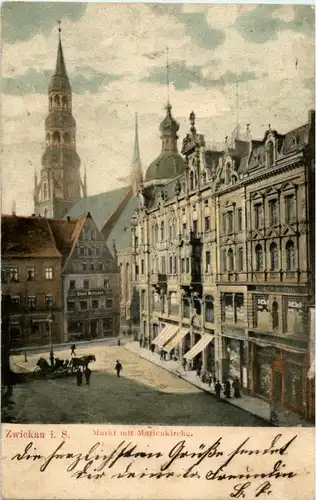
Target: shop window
{"x": 48, "y": 273}
{"x": 290, "y": 256}
{"x": 107, "y": 324}
{"x": 273, "y": 256}
{"x": 227, "y": 308}
{"x": 86, "y": 284}
{"x": 15, "y": 333}
{"x": 209, "y": 309}
{"x": 275, "y": 315}
{"x": 239, "y": 308}
{"x": 35, "y": 329}
{"x": 259, "y": 258}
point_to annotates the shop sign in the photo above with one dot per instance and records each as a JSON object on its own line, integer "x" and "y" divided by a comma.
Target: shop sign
{"x": 262, "y": 304}
{"x": 293, "y": 304}
{"x": 39, "y": 320}
{"x": 14, "y": 322}
{"x": 86, "y": 293}
{"x": 277, "y": 289}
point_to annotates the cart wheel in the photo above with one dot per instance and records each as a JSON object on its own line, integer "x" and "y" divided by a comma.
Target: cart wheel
{"x": 37, "y": 371}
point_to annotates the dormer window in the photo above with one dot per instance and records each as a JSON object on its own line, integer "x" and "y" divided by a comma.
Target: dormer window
{"x": 270, "y": 154}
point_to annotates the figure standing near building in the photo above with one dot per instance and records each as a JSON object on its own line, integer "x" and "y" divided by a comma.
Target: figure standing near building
{"x": 87, "y": 375}
{"x": 218, "y": 389}
{"x": 79, "y": 377}
{"x": 227, "y": 389}
{"x": 73, "y": 347}
{"x": 118, "y": 342}
{"x": 118, "y": 368}
{"x": 236, "y": 387}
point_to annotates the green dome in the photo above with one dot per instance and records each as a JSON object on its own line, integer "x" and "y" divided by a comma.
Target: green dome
{"x": 168, "y": 165}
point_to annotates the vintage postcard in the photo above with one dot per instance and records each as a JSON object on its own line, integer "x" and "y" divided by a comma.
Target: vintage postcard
{"x": 158, "y": 251}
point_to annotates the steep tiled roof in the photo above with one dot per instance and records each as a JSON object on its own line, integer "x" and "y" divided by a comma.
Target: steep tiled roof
{"x": 121, "y": 231}
{"x": 23, "y": 237}
{"x": 100, "y": 206}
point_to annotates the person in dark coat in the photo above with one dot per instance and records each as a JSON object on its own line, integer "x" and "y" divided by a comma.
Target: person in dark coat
{"x": 236, "y": 387}
{"x": 227, "y": 389}
{"x": 87, "y": 375}
{"x": 79, "y": 377}
{"x": 118, "y": 368}
{"x": 140, "y": 341}
{"x": 73, "y": 347}
{"x": 184, "y": 363}
{"x": 218, "y": 389}
{"x": 152, "y": 348}
{"x": 118, "y": 342}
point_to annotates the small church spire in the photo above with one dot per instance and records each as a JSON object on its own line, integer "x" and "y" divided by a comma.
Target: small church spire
{"x": 137, "y": 174}
{"x": 60, "y": 63}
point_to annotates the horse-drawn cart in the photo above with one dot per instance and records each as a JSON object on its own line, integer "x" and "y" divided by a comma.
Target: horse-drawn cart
{"x": 61, "y": 368}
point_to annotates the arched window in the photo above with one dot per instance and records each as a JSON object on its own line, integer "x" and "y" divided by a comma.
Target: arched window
{"x": 156, "y": 233}
{"x": 153, "y": 235}
{"x": 50, "y": 102}
{"x": 56, "y": 138}
{"x": 56, "y": 100}
{"x": 191, "y": 180}
{"x": 209, "y": 309}
{"x": 270, "y": 154}
{"x": 186, "y": 307}
{"x": 274, "y": 257}
{"x": 259, "y": 258}
{"x": 275, "y": 315}
{"x": 162, "y": 231}
{"x": 230, "y": 256}
{"x": 290, "y": 256}
{"x": 67, "y": 139}
{"x": 48, "y": 139}
{"x": 65, "y": 101}
{"x": 45, "y": 191}
{"x": 170, "y": 231}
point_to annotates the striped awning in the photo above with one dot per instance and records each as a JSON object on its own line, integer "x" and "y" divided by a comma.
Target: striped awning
{"x": 199, "y": 346}
{"x": 166, "y": 333}
{"x": 176, "y": 339}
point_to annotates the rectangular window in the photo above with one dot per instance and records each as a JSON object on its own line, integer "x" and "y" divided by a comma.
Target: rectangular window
{"x": 240, "y": 259}
{"x": 207, "y": 223}
{"x": 48, "y": 273}
{"x": 95, "y": 304}
{"x": 170, "y": 265}
{"x": 90, "y": 251}
{"x": 83, "y": 305}
{"x": 207, "y": 262}
{"x": 224, "y": 223}
{"x": 98, "y": 251}
{"x": 142, "y": 267}
{"x": 195, "y": 227}
{"x": 71, "y": 305}
{"x": 187, "y": 265}
{"x": 136, "y": 270}
{"x": 5, "y": 275}
{"x": 14, "y": 274}
{"x": 84, "y": 266}
{"x": 15, "y": 302}
{"x": 229, "y": 222}
{"x": 92, "y": 267}
{"x": 30, "y": 273}
{"x": 258, "y": 212}
{"x": 31, "y": 302}
{"x": 108, "y": 303}
{"x": 182, "y": 266}
{"x": 239, "y": 219}
{"x": 81, "y": 251}
{"x": 273, "y": 216}
{"x": 184, "y": 228}
{"x": 72, "y": 284}
{"x": 106, "y": 284}
{"x": 289, "y": 208}
{"x": 49, "y": 301}
{"x": 224, "y": 261}
{"x": 86, "y": 284}
{"x": 175, "y": 265}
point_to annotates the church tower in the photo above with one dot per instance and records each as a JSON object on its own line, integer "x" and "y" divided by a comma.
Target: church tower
{"x": 137, "y": 175}
{"x": 59, "y": 185}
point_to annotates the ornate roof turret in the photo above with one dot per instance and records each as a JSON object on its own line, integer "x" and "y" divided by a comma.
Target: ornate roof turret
{"x": 169, "y": 126}
{"x": 59, "y": 80}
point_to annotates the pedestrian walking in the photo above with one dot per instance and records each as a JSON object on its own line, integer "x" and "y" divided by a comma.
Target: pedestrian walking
{"x": 161, "y": 355}
{"x": 152, "y": 348}
{"x": 140, "y": 341}
{"x": 218, "y": 389}
{"x": 227, "y": 389}
{"x": 184, "y": 363}
{"x": 118, "y": 342}
{"x": 73, "y": 347}
{"x": 79, "y": 377}
{"x": 236, "y": 387}
{"x": 118, "y": 367}
{"x": 198, "y": 369}
{"x": 87, "y": 375}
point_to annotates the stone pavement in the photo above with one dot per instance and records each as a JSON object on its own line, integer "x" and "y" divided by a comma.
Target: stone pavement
{"x": 250, "y": 404}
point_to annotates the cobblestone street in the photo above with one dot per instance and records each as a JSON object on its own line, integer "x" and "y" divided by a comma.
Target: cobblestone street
{"x": 145, "y": 393}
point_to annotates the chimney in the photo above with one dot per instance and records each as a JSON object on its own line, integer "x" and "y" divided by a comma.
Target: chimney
{"x": 13, "y": 208}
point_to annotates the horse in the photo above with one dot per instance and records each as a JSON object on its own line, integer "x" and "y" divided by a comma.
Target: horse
{"x": 76, "y": 363}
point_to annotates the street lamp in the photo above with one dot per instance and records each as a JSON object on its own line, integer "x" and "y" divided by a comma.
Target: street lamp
{"x": 51, "y": 354}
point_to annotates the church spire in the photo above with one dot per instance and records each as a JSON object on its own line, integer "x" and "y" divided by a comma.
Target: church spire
{"x": 137, "y": 175}
{"x": 60, "y": 81}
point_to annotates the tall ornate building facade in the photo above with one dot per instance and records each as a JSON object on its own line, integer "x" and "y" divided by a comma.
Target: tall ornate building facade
{"x": 224, "y": 253}
{"x": 59, "y": 186}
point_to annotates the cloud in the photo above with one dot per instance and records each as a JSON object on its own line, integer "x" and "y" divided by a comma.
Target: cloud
{"x": 21, "y": 21}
